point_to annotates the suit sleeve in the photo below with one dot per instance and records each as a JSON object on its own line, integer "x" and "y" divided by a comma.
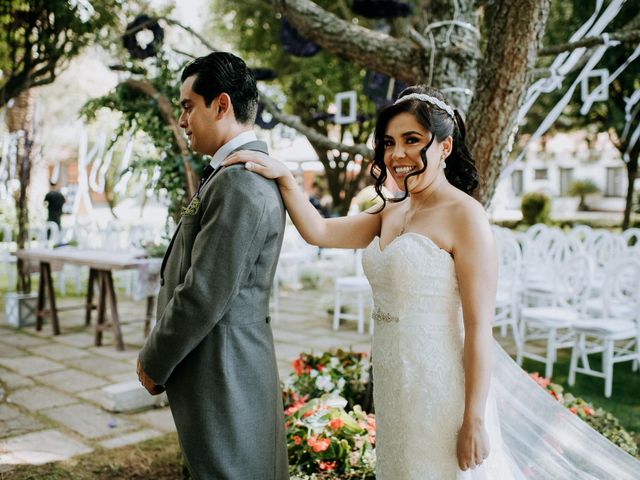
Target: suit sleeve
{"x": 223, "y": 254}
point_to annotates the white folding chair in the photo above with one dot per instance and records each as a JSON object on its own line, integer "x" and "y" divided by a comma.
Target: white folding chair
{"x": 356, "y": 285}
{"x": 552, "y": 324}
{"x": 509, "y": 288}
{"x": 616, "y": 332}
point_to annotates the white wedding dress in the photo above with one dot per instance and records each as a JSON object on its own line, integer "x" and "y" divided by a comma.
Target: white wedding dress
{"x": 419, "y": 386}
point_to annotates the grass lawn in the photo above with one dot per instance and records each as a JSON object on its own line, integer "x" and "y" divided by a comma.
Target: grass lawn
{"x": 157, "y": 459}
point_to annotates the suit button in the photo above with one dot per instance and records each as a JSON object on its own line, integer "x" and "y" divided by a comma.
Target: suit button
{"x": 268, "y": 319}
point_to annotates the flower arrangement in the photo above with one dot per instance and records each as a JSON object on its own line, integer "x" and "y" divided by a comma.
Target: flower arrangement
{"x": 342, "y": 373}
{"x": 328, "y": 433}
{"x": 602, "y": 421}
{"x": 325, "y": 441}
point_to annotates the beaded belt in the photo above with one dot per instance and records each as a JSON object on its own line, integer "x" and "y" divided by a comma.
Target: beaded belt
{"x": 381, "y": 316}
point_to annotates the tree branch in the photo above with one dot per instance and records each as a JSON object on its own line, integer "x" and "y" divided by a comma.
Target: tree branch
{"x": 624, "y": 37}
{"x": 314, "y": 136}
{"x": 401, "y": 58}
{"x": 167, "y": 115}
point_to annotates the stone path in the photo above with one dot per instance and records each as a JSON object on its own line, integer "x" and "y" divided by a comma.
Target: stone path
{"x": 51, "y": 387}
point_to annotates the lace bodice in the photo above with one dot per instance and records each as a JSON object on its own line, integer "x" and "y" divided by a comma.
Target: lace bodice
{"x": 413, "y": 279}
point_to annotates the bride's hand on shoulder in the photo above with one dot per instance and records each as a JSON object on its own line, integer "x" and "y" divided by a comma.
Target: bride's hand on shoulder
{"x": 259, "y": 162}
{"x": 473, "y": 445}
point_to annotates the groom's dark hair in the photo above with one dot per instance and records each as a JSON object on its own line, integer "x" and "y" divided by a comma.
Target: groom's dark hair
{"x": 223, "y": 72}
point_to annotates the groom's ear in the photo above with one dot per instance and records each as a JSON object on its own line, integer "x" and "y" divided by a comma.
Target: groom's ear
{"x": 223, "y": 105}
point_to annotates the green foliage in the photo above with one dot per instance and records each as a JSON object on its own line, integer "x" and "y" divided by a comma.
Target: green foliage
{"x": 535, "y": 207}
{"x": 140, "y": 114}
{"x": 580, "y": 188}
{"x": 38, "y": 36}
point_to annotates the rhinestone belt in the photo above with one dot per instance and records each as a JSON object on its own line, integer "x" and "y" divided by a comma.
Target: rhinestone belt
{"x": 381, "y": 316}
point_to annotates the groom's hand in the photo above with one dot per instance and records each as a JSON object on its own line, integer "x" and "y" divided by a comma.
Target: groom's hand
{"x": 147, "y": 382}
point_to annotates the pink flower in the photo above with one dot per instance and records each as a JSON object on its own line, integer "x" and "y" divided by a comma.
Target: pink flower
{"x": 297, "y": 440}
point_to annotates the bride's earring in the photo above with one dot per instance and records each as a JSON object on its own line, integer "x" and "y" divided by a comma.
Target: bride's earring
{"x": 443, "y": 163}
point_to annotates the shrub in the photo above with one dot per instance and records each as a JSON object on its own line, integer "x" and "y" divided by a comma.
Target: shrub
{"x": 602, "y": 421}
{"x": 581, "y": 188}
{"x": 535, "y": 207}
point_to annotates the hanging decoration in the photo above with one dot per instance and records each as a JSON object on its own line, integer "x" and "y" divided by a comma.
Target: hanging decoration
{"x": 351, "y": 99}
{"x": 381, "y": 8}
{"x": 143, "y": 37}
{"x": 264, "y": 119}
{"x": 294, "y": 43}
{"x": 381, "y": 89}
{"x": 631, "y": 113}
{"x": 264, "y": 74}
{"x": 598, "y": 94}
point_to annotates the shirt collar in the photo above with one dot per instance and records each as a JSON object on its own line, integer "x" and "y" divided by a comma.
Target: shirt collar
{"x": 225, "y": 150}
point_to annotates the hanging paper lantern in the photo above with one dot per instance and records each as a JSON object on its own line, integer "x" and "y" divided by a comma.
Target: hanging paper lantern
{"x": 378, "y": 88}
{"x": 130, "y": 40}
{"x": 264, "y": 74}
{"x": 294, "y": 43}
{"x": 262, "y": 122}
{"x": 381, "y": 8}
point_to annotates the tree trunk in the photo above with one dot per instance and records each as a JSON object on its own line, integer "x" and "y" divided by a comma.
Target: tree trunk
{"x": 515, "y": 29}
{"x": 454, "y": 75}
{"x": 632, "y": 174}
{"x": 19, "y": 118}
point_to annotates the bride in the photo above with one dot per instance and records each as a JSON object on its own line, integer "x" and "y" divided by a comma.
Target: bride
{"x": 440, "y": 379}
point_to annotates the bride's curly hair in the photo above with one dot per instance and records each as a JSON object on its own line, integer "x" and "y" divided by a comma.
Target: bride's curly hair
{"x": 460, "y": 171}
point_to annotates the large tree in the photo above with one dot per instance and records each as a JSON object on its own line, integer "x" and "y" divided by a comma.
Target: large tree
{"x": 482, "y": 52}
{"x": 39, "y": 37}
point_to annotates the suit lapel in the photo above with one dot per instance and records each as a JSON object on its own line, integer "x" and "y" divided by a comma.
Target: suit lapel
{"x": 257, "y": 146}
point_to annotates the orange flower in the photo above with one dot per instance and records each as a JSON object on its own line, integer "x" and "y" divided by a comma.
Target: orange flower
{"x": 588, "y": 410}
{"x": 297, "y": 440}
{"x": 328, "y": 466}
{"x": 336, "y": 424}
{"x": 573, "y": 410}
{"x": 318, "y": 444}
{"x": 298, "y": 366}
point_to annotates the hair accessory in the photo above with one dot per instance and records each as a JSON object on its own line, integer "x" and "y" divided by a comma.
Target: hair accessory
{"x": 429, "y": 99}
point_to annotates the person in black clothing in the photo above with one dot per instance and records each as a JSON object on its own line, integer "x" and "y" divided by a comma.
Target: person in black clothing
{"x": 54, "y": 201}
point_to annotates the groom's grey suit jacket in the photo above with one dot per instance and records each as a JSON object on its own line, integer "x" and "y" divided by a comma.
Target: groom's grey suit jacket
{"x": 212, "y": 346}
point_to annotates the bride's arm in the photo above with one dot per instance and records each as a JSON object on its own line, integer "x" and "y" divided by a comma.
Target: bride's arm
{"x": 355, "y": 231}
{"x": 476, "y": 268}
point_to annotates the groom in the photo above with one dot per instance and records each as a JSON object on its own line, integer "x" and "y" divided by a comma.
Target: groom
{"x": 212, "y": 348}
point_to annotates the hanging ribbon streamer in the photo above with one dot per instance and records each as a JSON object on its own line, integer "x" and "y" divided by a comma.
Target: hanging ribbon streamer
{"x": 593, "y": 96}
{"x": 561, "y": 67}
{"x": 121, "y": 186}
